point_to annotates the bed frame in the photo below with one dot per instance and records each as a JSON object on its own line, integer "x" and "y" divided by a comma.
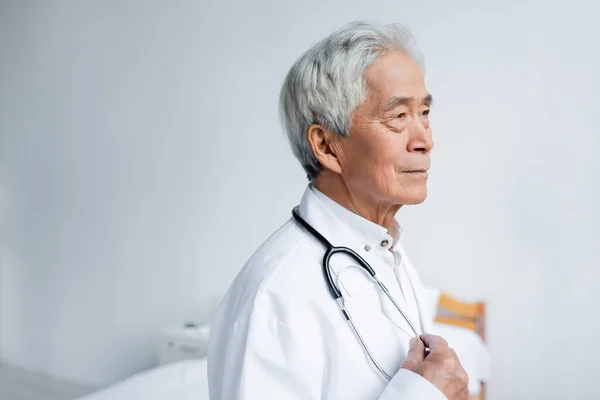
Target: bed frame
{"x": 467, "y": 315}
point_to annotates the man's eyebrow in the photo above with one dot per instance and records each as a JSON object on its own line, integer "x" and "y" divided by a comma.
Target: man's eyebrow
{"x": 396, "y": 101}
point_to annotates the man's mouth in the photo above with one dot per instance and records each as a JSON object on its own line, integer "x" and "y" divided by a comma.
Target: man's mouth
{"x": 417, "y": 172}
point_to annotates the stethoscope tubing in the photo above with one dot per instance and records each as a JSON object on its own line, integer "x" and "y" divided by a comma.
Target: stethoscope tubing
{"x": 330, "y": 250}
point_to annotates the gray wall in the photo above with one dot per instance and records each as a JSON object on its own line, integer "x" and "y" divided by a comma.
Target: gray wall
{"x": 142, "y": 162}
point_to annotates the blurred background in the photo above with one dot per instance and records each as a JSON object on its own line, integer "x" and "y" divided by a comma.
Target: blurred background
{"x": 142, "y": 162}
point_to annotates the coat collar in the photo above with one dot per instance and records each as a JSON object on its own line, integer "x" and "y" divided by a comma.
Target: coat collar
{"x": 341, "y": 226}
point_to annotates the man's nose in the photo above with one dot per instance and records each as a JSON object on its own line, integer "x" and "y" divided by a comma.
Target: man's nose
{"x": 421, "y": 140}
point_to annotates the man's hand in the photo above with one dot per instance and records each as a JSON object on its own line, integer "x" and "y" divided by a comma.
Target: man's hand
{"x": 440, "y": 366}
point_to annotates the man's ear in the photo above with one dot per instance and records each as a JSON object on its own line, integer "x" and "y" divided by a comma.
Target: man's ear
{"x": 325, "y": 147}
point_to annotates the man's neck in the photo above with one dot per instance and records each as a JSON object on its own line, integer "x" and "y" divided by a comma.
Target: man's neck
{"x": 367, "y": 207}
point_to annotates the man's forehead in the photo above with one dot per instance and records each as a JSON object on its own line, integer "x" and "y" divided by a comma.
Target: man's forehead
{"x": 395, "y": 65}
{"x": 396, "y": 77}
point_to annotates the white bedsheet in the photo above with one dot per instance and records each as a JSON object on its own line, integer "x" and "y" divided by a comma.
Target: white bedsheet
{"x": 185, "y": 380}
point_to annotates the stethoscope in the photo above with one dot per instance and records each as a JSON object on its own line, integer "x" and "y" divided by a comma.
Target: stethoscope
{"x": 337, "y": 294}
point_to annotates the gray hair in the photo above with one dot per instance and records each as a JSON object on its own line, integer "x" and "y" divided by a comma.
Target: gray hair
{"x": 326, "y": 84}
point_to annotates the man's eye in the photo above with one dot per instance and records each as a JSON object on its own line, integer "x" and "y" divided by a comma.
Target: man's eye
{"x": 426, "y": 112}
{"x": 401, "y": 115}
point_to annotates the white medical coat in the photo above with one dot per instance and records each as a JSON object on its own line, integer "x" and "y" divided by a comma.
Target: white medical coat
{"x": 279, "y": 333}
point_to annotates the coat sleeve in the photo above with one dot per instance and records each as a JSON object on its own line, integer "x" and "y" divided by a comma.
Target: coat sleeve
{"x": 406, "y": 385}
{"x": 259, "y": 357}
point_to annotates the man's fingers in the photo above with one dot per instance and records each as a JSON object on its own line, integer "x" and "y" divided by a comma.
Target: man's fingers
{"x": 442, "y": 367}
{"x": 433, "y": 342}
{"x": 416, "y": 350}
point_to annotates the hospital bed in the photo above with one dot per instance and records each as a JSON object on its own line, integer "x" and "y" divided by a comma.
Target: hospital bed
{"x": 461, "y": 323}
{"x": 184, "y": 380}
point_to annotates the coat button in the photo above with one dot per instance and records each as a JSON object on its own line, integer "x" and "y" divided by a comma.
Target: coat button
{"x": 367, "y": 247}
{"x": 384, "y": 242}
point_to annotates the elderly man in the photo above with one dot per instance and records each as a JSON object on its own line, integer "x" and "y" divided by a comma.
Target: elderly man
{"x": 297, "y": 325}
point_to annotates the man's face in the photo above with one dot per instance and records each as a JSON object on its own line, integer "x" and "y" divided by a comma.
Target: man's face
{"x": 387, "y": 154}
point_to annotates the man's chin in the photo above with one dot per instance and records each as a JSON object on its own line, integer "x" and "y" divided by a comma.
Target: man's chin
{"x": 411, "y": 199}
